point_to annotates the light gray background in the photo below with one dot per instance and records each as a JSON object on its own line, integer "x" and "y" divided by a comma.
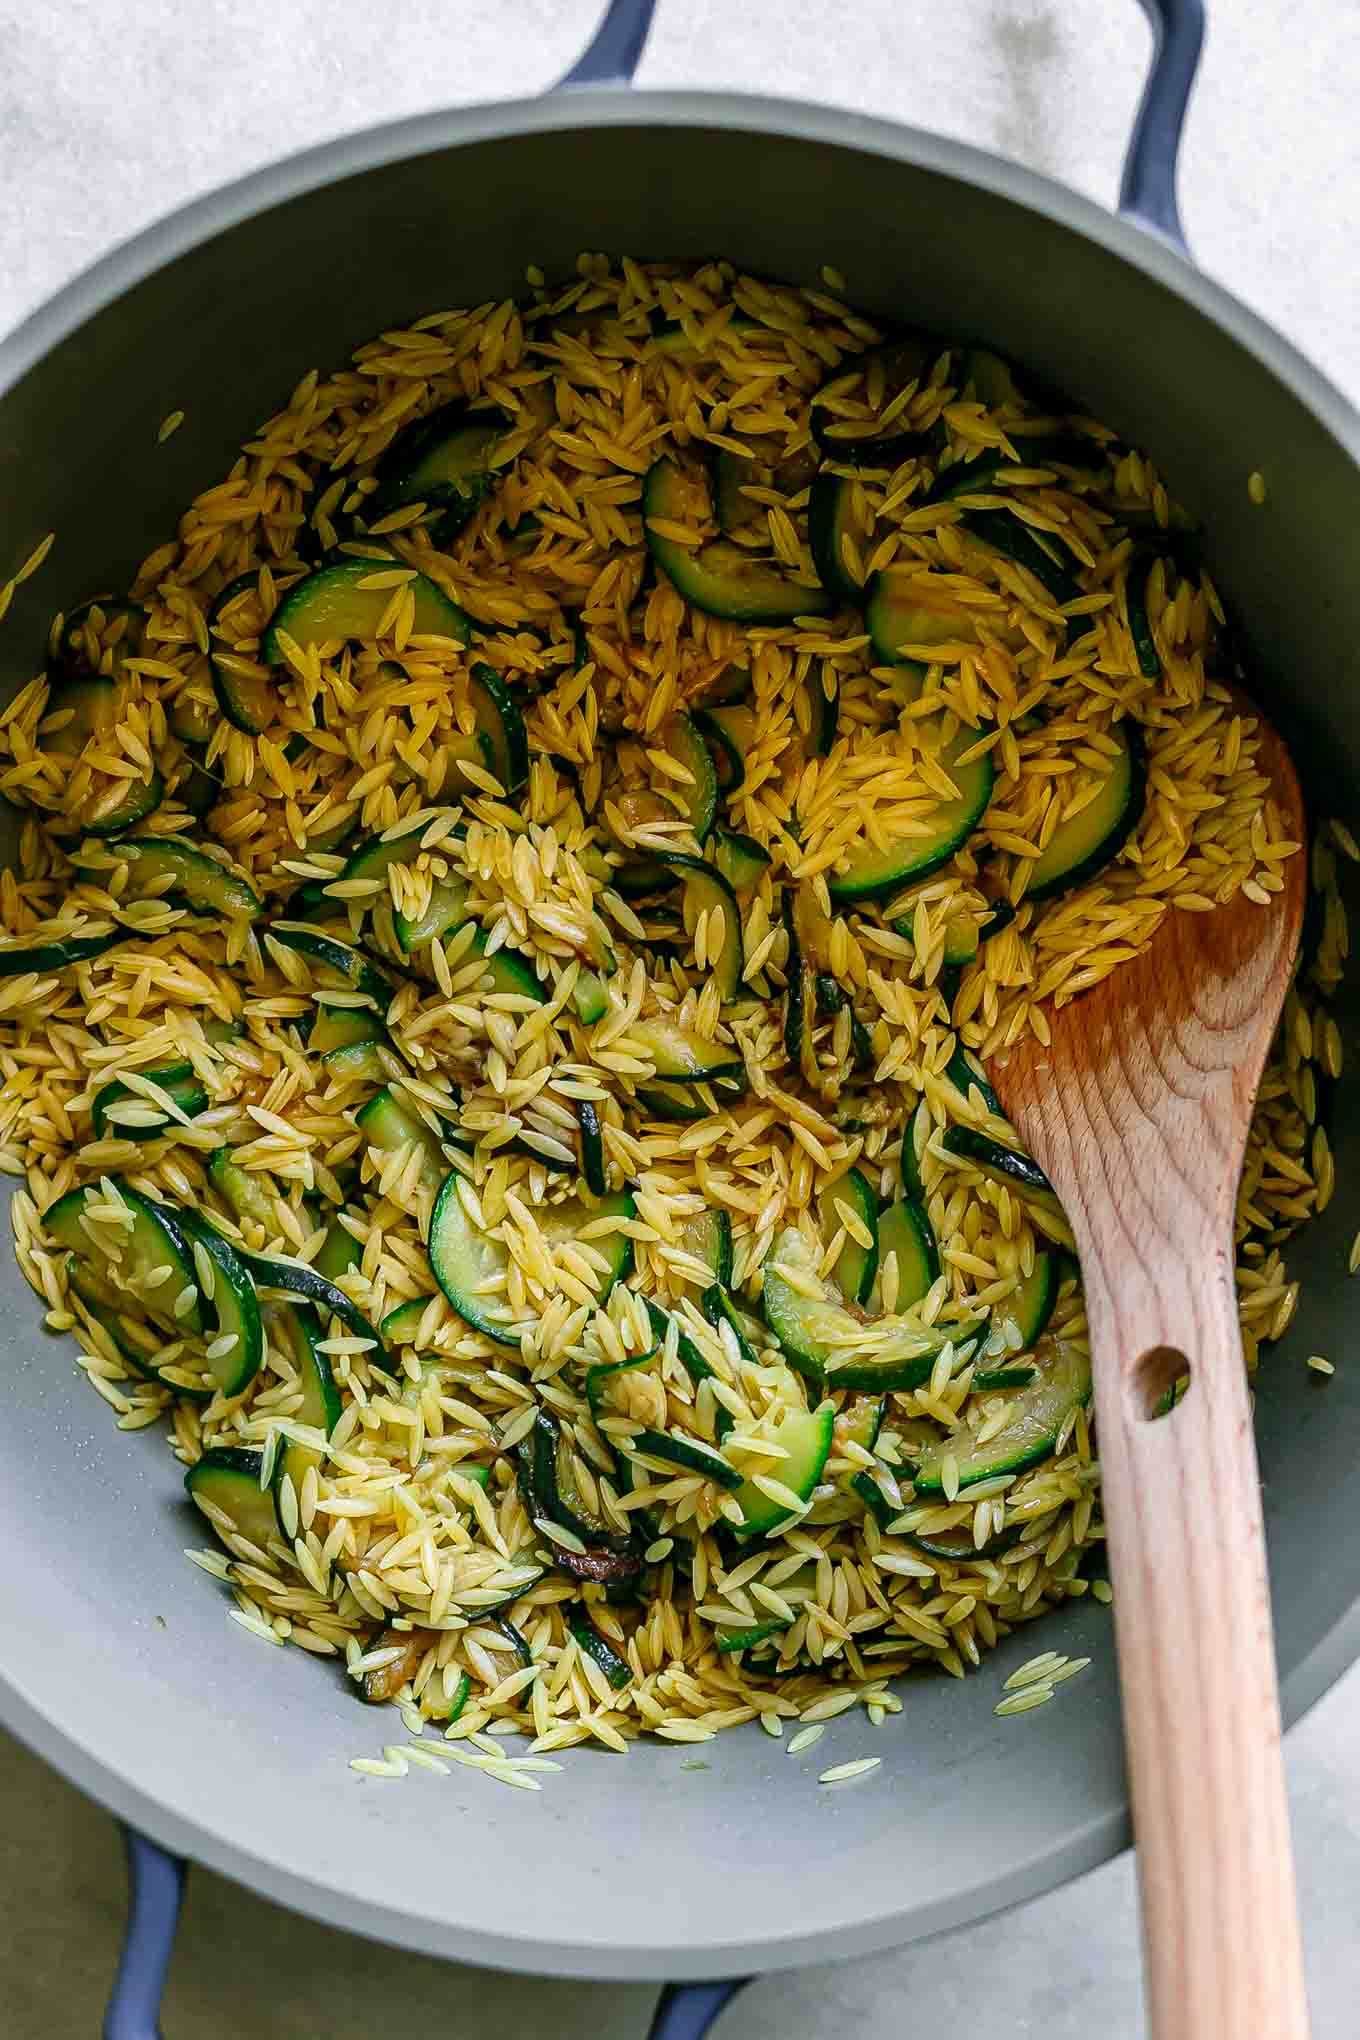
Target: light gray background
{"x": 112, "y": 113}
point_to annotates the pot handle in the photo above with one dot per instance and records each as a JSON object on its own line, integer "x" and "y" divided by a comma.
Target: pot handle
{"x": 1147, "y": 189}
{"x": 155, "y": 1888}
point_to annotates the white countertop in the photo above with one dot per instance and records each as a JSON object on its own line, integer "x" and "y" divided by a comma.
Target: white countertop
{"x": 112, "y": 113}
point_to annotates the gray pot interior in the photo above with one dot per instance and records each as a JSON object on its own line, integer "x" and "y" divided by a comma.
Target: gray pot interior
{"x": 119, "y": 1661}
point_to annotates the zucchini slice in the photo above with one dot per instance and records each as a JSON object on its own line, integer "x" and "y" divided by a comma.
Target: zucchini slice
{"x": 717, "y": 577}
{"x": 965, "y": 1074}
{"x": 353, "y": 1045}
{"x": 1001, "y": 532}
{"x": 885, "y": 371}
{"x": 150, "y": 1122}
{"x": 22, "y": 953}
{"x": 706, "y": 890}
{"x": 245, "y": 693}
{"x": 708, "y": 1236}
{"x": 904, "y": 1230}
{"x": 824, "y": 709}
{"x": 501, "y": 724}
{"x": 248, "y": 1193}
{"x": 233, "y": 1304}
{"x": 133, "y": 1338}
{"x": 98, "y": 637}
{"x": 590, "y": 998}
{"x": 740, "y": 859}
{"x": 402, "y": 1325}
{"x": 728, "y": 762}
{"x": 1140, "y": 625}
{"x": 93, "y": 703}
{"x": 872, "y": 873}
{"x": 1009, "y": 1165}
{"x": 592, "y": 1147}
{"x": 1062, "y": 1384}
{"x": 918, "y": 1128}
{"x": 681, "y": 1057}
{"x": 339, "y": 1253}
{"x": 989, "y": 377}
{"x": 505, "y": 971}
{"x": 356, "y": 972}
{"x": 205, "y": 885}
{"x": 297, "y": 1278}
{"x": 679, "y": 1106}
{"x": 856, "y": 1265}
{"x": 229, "y": 1477}
{"x": 390, "y": 1126}
{"x": 829, "y": 505}
{"x": 569, "y": 1221}
{"x": 690, "y": 1454}
{"x": 805, "y": 1436}
{"x": 470, "y": 1267}
{"x": 447, "y": 910}
{"x": 334, "y": 606}
{"x": 295, "y": 1331}
{"x": 602, "y": 1654}
{"x": 1086, "y": 842}
{"x": 699, "y": 793}
{"x": 154, "y": 1241}
{"x": 819, "y": 1335}
{"x": 444, "y": 459}
{"x": 1034, "y": 1302}
{"x": 907, "y": 606}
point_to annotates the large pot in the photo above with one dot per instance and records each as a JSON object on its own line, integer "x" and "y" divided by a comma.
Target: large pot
{"x": 643, "y": 1868}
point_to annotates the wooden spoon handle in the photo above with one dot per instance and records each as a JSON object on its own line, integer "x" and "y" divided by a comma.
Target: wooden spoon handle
{"x": 1197, "y": 1661}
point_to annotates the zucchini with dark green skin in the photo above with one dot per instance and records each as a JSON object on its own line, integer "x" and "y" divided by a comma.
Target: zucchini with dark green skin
{"x": 133, "y": 1339}
{"x": 1005, "y": 534}
{"x": 442, "y": 459}
{"x": 831, "y": 1000}
{"x": 824, "y": 708}
{"x": 550, "y": 1494}
{"x": 1140, "y": 625}
{"x": 691, "y": 1455}
{"x": 156, "y": 1239}
{"x": 389, "y": 1126}
{"x": 298, "y": 1278}
{"x": 913, "y": 1182}
{"x": 446, "y": 911}
{"x": 907, "y": 606}
{"x": 1062, "y": 1384}
{"x": 709, "y": 1238}
{"x": 873, "y": 873}
{"x": 295, "y": 1331}
{"x": 905, "y": 1232}
{"x": 679, "y": 1105}
{"x": 601, "y": 1653}
{"x": 1092, "y": 838}
{"x": 463, "y": 1259}
{"x": 718, "y": 577}
{"x": 401, "y": 1325}
{"x": 728, "y": 764}
{"x": 229, "y": 1298}
{"x": 249, "y": 701}
{"x": 356, "y": 972}
{"x": 718, "y": 1307}
{"x": 706, "y": 889}
{"x": 740, "y": 859}
{"x": 591, "y": 1142}
{"x": 22, "y": 953}
{"x": 806, "y": 1437}
{"x": 830, "y": 500}
{"x": 906, "y": 359}
{"x": 699, "y": 793}
{"x": 499, "y": 721}
{"x": 201, "y": 883}
{"x": 228, "y": 1476}
{"x": 334, "y": 606}
{"x": 856, "y": 1264}
{"x": 818, "y": 1335}
{"x": 179, "y": 1081}
{"x": 1011, "y": 1165}
{"x": 249, "y": 1193}
{"x": 682, "y": 1057}
{"x": 92, "y": 703}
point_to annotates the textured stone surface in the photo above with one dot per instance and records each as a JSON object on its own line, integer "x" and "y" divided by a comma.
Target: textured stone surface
{"x": 111, "y": 114}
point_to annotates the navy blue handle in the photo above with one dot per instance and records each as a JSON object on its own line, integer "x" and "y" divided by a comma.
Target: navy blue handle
{"x": 155, "y": 1888}
{"x": 1147, "y": 190}
{"x": 685, "y": 2011}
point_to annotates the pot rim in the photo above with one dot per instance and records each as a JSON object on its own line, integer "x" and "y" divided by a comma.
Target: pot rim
{"x": 201, "y": 219}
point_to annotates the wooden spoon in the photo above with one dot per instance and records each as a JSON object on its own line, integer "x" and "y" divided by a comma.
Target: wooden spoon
{"x": 1139, "y": 1111}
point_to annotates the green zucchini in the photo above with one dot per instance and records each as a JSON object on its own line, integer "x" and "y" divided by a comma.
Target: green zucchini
{"x": 591, "y": 1141}
{"x": 690, "y": 1454}
{"x": 133, "y": 1338}
{"x": 1140, "y": 626}
{"x": 21, "y": 953}
{"x": 824, "y": 709}
{"x": 502, "y": 725}
{"x": 1034, "y": 1302}
{"x": 248, "y": 700}
{"x": 1007, "y": 1164}
{"x": 505, "y": 971}
{"x": 886, "y": 371}
{"x": 700, "y": 791}
{"x": 590, "y": 998}
{"x": 601, "y": 1653}
{"x": 178, "y": 1080}
{"x": 339, "y": 1253}
{"x": 232, "y": 1304}
{"x": 731, "y": 1640}
{"x": 98, "y": 637}
{"x": 964, "y": 1074}
{"x": 819, "y": 1336}
{"x": 443, "y": 459}
{"x": 446, "y": 911}
{"x": 740, "y": 859}
{"x": 680, "y": 1106}
{"x": 717, "y": 577}
{"x": 989, "y": 377}
{"x": 907, "y": 606}
{"x": 856, "y": 1265}
{"x": 872, "y": 873}
{"x": 249, "y": 1194}
{"x": 718, "y": 1307}
{"x": 229, "y": 1477}
{"x": 390, "y": 1126}
{"x": 353, "y": 1044}
{"x": 682, "y": 1057}
{"x": 806, "y": 1438}
{"x": 93, "y": 703}
{"x": 728, "y": 764}
{"x": 154, "y": 1241}
{"x": 905, "y": 1231}
{"x": 920, "y": 1125}
{"x": 297, "y": 1278}
{"x": 464, "y": 1260}
{"x": 401, "y": 1325}
{"x": 831, "y": 1000}
{"x": 204, "y": 884}
{"x": 568, "y": 1221}
{"x": 830, "y": 500}
{"x": 1062, "y": 1384}
{"x": 708, "y": 1237}
{"x": 295, "y": 1331}
{"x": 356, "y": 972}
{"x": 1001, "y": 532}
{"x": 332, "y": 606}
{"x": 706, "y": 888}
{"x": 1089, "y": 840}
